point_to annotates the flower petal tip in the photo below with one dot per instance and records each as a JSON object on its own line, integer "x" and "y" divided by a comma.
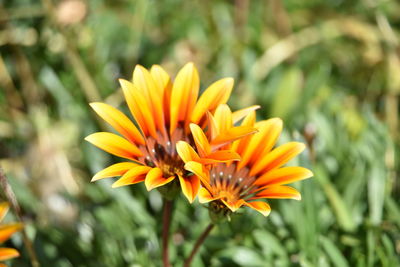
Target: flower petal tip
{"x": 265, "y": 213}
{"x": 191, "y": 200}
{"x": 93, "y": 104}
{"x": 149, "y": 186}
{"x": 117, "y": 184}
{"x": 309, "y": 173}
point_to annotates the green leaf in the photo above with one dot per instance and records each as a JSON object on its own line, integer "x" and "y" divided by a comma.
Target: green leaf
{"x": 333, "y": 252}
{"x": 288, "y": 92}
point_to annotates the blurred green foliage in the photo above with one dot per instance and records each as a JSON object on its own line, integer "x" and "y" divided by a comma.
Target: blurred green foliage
{"x": 330, "y": 69}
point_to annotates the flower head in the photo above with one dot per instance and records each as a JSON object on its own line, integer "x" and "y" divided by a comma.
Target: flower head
{"x": 259, "y": 173}
{"x": 6, "y": 231}
{"x": 163, "y": 111}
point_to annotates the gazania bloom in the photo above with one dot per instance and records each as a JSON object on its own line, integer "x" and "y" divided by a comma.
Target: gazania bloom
{"x": 258, "y": 175}
{"x": 163, "y": 111}
{"x": 6, "y": 231}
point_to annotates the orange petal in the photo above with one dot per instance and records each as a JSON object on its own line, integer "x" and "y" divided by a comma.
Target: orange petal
{"x": 241, "y": 143}
{"x": 205, "y": 196}
{"x": 6, "y": 230}
{"x": 119, "y": 121}
{"x": 3, "y": 210}
{"x": 186, "y": 152}
{"x": 154, "y": 178}
{"x": 221, "y": 156}
{"x": 213, "y": 129}
{"x": 259, "y": 206}
{"x": 232, "y": 134}
{"x": 117, "y": 169}
{"x": 114, "y": 144}
{"x": 233, "y": 206}
{"x": 7, "y": 253}
{"x": 183, "y": 95}
{"x": 277, "y": 157}
{"x": 139, "y": 107}
{"x": 133, "y": 176}
{"x": 127, "y": 88}
{"x": 284, "y": 175}
{"x": 216, "y": 94}
{"x": 144, "y": 81}
{"x": 241, "y": 113}
{"x": 272, "y": 129}
{"x": 199, "y": 171}
{"x": 190, "y": 186}
{"x": 163, "y": 81}
{"x": 264, "y": 140}
{"x": 279, "y": 192}
{"x": 200, "y": 140}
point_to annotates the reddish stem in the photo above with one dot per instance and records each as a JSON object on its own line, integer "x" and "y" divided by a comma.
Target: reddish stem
{"x": 165, "y": 232}
{"x": 197, "y": 245}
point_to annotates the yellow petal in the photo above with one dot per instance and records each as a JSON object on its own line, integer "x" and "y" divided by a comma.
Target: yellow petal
{"x": 279, "y": 192}
{"x": 6, "y": 230}
{"x": 183, "y": 95}
{"x": 119, "y": 121}
{"x": 205, "y": 196}
{"x": 200, "y": 140}
{"x": 154, "y": 178}
{"x": 223, "y": 118}
{"x": 190, "y": 186}
{"x": 231, "y": 135}
{"x": 7, "y": 253}
{"x": 133, "y": 176}
{"x": 186, "y": 152}
{"x": 3, "y": 210}
{"x": 264, "y": 140}
{"x": 117, "y": 169}
{"x": 240, "y": 114}
{"x": 143, "y": 80}
{"x": 200, "y": 172}
{"x": 114, "y": 144}
{"x": 139, "y": 108}
{"x": 277, "y": 157}
{"x": 259, "y": 206}
{"x": 216, "y": 94}
{"x": 160, "y": 77}
{"x": 284, "y": 175}
{"x": 154, "y": 94}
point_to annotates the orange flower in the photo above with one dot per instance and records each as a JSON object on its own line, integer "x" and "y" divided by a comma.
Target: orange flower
{"x": 6, "y": 231}
{"x": 163, "y": 111}
{"x": 258, "y": 175}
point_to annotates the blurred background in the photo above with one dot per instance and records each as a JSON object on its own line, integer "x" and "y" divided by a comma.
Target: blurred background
{"x": 329, "y": 68}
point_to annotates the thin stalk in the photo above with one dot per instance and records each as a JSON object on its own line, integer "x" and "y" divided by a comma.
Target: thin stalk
{"x": 9, "y": 193}
{"x": 197, "y": 245}
{"x": 165, "y": 231}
